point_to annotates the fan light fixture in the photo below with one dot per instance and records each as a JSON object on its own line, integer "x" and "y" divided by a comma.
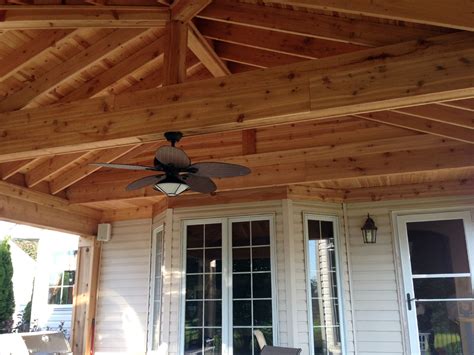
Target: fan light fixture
{"x": 369, "y": 231}
{"x": 174, "y": 173}
{"x": 171, "y": 186}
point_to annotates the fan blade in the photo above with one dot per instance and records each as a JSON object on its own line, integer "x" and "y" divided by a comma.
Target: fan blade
{"x": 126, "y": 166}
{"x": 173, "y": 156}
{"x": 220, "y": 170}
{"x": 147, "y": 180}
{"x": 201, "y": 184}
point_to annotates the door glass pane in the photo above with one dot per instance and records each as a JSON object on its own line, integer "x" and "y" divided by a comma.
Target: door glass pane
{"x": 446, "y": 327}
{"x": 452, "y": 287}
{"x": 437, "y": 247}
{"x": 442, "y": 285}
{"x": 203, "y": 305}
{"x": 251, "y": 284}
{"x": 322, "y": 273}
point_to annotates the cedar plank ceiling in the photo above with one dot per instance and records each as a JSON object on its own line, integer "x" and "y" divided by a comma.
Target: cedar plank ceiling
{"x": 388, "y": 154}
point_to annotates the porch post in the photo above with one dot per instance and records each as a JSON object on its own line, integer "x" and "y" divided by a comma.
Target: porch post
{"x": 85, "y": 295}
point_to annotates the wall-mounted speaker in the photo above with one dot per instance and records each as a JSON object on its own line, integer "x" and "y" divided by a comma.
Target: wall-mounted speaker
{"x": 104, "y": 232}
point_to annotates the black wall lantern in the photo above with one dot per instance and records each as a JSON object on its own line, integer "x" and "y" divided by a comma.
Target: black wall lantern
{"x": 369, "y": 231}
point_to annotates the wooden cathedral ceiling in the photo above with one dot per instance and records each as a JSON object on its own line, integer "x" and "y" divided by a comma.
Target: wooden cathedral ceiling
{"x": 357, "y": 100}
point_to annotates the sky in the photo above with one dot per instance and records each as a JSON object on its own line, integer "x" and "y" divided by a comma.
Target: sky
{"x": 21, "y": 231}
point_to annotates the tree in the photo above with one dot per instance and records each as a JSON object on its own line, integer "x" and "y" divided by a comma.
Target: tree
{"x": 7, "y": 301}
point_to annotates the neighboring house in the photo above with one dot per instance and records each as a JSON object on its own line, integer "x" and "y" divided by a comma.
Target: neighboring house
{"x": 24, "y": 269}
{"x": 54, "y": 281}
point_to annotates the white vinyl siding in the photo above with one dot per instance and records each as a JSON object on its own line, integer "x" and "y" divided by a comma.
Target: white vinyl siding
{"x": 379, "y": 305}
{"x": 122, "y": 305}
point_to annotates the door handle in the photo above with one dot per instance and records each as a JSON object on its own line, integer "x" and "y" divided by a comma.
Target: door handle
{"x": 409, "y": 301}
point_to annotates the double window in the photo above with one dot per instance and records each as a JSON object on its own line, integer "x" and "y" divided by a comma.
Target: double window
{"x": 323, "y": 285}
{"x": 228, "y": 285}
{"x": 61, "y": 285}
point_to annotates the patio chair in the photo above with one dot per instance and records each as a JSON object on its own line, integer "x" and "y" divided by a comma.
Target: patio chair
{"x": 278, "y": 350}
{"x": 273, "y": 350}
{"x": 260, "y": 339}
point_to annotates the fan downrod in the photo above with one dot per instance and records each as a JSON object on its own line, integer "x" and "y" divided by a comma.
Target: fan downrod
{"x": 173, "y": 137}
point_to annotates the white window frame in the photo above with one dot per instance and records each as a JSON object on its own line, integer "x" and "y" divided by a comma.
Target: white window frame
{"x": 339, "y": 277}
{"x": 273, "y": 269}
{"x": 226, "y": 222}
{"x": 401, "y": 232}
{"x": 151, "y": 303}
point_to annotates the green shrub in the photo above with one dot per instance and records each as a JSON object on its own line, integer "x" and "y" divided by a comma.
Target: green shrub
{"x": 7, "y": 300}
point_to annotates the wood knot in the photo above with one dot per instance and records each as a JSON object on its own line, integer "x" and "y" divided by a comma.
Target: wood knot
{"x": 240, "y": 118}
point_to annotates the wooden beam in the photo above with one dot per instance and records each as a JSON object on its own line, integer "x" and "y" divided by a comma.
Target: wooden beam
{"x": 174, "y": 65}
{"x": 185, "y": 10}
{"x": 69, "y": 68}
{"x": 128, "y": 213}
{"x": 454, "y": 14}
{"x": 356, "y": 31}
{"x": 47, "y": 17}
{"x": 372, "y": 158}
{"x": 352, "y": 83}
{"x": 20, "y": 57}
{"x": 22, "y": 205}
{"x": 101, "y": 82}
{"x": 420, "y": 124}
{"x": 281, "y": 42}
{"x": 83, "y": 168}
{"x": 206, "y": 54}
{"x": 85, "y": 295}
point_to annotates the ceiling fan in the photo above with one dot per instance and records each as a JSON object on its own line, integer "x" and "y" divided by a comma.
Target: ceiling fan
{"x": 177, "y": 174}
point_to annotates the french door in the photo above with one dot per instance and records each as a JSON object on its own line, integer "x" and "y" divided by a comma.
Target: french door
{"x": 228, "y": 287}
{"x": 437, "y": 252}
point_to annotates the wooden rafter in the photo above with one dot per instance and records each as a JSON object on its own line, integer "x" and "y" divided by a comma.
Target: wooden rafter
{"x": 442, "y": 113}
{"x": 82, "y": 168}
{"x": 19, "y": 58}
{"x": 69, "y": 16}
{"x": 420, "y": 124}
{"x": 281, "y": 42}
{"x": 50, "y": 167}
{"x": 455, "y": 13}
{"x": 359, "y": 32}
{"x": 352, "y": 83}
{"x": 101, "y": 82}
{"x": 206, "y": 54}
{"x": 9, "y": 169}
{"x": 69, "y": 68}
